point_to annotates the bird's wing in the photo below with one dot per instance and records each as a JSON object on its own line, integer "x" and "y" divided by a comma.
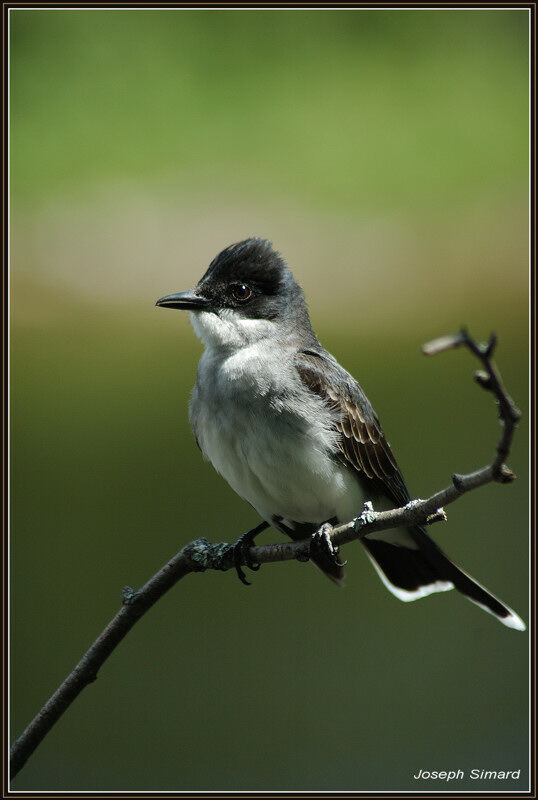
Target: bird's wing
{"x": 362, "y": 444}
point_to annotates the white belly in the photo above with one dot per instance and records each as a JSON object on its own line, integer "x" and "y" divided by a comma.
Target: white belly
{"x": 277, "y": 460}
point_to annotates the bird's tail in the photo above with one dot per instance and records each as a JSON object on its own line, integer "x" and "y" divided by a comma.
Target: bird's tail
{"x": 411, "y": 566}
{"x": 331, "y": 569}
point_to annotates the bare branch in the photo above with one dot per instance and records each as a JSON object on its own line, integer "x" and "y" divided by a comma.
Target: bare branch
{"x": 201, "y": 555}
{"x": 441, "y": 344}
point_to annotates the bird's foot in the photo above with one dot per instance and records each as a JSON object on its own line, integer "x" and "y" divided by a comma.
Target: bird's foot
{"x": 241, "y": 552}
{"x": 322, "y": 548}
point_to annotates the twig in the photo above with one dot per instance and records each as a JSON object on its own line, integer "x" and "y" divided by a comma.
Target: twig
{"x": 201, "y": 555}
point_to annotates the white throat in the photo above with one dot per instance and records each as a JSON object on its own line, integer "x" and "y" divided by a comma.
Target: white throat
{"x": 229, "y": 330}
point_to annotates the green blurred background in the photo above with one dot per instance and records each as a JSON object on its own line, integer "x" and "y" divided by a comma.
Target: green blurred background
{"x": 385, "y": 153}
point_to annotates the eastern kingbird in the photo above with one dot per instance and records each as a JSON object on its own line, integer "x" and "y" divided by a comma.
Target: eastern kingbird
{"x": 292, "y": 432}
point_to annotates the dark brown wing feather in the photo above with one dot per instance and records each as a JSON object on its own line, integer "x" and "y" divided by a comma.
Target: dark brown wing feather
{"x": 362, "y": 443}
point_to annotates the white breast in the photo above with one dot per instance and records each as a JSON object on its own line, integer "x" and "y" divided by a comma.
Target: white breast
{"x": 268, "y": 437}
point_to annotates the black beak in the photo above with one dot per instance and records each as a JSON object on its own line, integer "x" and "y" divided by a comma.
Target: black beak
{"x": 186, "y": 301}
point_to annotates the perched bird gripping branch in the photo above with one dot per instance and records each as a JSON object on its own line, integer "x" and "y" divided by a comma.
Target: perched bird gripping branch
{"x": 293, "y": 433}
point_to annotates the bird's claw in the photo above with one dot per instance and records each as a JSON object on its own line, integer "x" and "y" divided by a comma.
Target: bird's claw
{"x": 241, "y": 556}
{"x": 321, "y": 545}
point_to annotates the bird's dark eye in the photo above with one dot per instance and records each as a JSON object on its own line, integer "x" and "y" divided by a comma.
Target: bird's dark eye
{"x": 241, "y": 292}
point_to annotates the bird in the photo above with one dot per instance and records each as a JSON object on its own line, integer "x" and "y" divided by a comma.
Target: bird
{"x": 293, "y": 433}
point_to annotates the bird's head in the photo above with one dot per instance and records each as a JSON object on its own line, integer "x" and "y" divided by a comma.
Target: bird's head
{"x": 248, "y": 293}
